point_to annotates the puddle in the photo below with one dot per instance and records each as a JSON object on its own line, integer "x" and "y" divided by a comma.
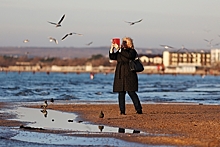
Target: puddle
{"x": 62, "y": 121}
{"x": 57, "y": 120}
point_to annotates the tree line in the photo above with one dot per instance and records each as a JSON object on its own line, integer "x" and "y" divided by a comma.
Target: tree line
{"x": 95, "y": 60}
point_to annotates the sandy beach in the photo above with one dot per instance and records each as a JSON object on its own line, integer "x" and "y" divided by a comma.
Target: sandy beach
{"x": 169, "y": 124}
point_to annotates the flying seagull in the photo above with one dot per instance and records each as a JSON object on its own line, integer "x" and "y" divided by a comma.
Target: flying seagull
{"x": 209, "y": 41}
{"x": 26, "y": 41}
{"x": 132, "y": 23}
{"x": 166, "y": 46}
{"x": 53, "y": 39}
{"x": 73, "y": 33}
{"x": 186, "y": 50}
{"x": 59, "y": 23}
{"x": 89, "y": 43}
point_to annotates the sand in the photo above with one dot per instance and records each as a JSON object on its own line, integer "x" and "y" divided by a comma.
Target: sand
{"x": 168, "y": 124}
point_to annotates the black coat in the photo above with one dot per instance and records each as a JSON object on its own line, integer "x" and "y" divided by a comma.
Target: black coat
{"x": 124, "y": 80}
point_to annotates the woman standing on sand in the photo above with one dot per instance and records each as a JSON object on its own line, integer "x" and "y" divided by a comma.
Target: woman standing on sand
{"x": 125, "y": 80}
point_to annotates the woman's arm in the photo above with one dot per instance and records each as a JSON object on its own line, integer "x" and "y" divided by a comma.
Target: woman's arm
{"x": 129, "y": 53}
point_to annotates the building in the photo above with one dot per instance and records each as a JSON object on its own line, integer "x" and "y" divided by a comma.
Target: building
{"x": 151, "y": 59}
{"x": 187, "y": 58}
{"x": 215, "y": 56}
{"x": 185, "y": 62}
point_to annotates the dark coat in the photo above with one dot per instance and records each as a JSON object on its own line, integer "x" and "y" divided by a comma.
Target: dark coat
{"x": 124, "y": 80}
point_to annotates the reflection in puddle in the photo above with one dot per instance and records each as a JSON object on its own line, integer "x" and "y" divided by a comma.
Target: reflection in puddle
{"x": 52, "y": 119}
{"x": 58, "y": 120}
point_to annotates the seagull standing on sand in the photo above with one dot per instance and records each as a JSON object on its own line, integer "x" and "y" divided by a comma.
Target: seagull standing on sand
{"x": 59, "y": 23}
{"x": 132, "y": 23}
{"x": 45, "y": 104}
{"x": 73, "y": 33}
{"x": 101, "y": 115}
{"x": 53, "y": 39}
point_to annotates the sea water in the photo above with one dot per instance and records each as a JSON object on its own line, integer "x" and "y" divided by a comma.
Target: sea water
{"x": 73, "y": 87}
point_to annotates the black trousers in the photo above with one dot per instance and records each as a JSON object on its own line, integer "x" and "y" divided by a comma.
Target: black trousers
{"x": 134, "y": 98}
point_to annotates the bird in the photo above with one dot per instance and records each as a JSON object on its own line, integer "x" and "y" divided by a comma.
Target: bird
{"x": 101, "y": 128}
{"x": 53, "y": 39}
{"x": 209, "y": 42}
{"x": 134, "y": 22}
{"x": 44, "y": 105}
{"x": 59, "y": 23}
{"x": 166, "y": 46}
{"x": 89, "y": 43}
{"x": 73, "y": 33}
{"x": 183, "y": 48}
{"x": 101, "y": 115}
{"x": 26, "y": 41}
{"x": 51, "y": 100}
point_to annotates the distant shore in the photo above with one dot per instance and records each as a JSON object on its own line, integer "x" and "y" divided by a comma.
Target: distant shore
{"x": 168, "y": 124}
{"x": 96, "y": 70}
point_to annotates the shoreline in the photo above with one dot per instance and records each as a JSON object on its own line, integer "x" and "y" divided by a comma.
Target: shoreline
{"x": 180, "y": 124}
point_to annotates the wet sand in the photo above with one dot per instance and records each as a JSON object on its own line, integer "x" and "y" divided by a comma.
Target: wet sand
{"x": 168, "y": 124}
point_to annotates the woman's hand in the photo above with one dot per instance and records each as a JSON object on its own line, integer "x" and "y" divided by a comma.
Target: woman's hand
{"x": 114, "y": 46}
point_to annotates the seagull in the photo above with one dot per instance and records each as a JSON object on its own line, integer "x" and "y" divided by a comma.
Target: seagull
{"x": 26, "y": 41}
{"x": 59, "y": 23}
{"x": 166, "y": 46}
{"x": 132, "y": 23}
{"x": 51, "y": 100}
{"x": 101, "y": 128}
{"x": 183, "y": 48}
{"x": 53, "y": 39}
{"x": 44, "y": 105}
{"x": 101, "y": 115}
{"x": 73, "y": 33}
{"x": 89, "y": 43}
{"x": 209, "y": 41}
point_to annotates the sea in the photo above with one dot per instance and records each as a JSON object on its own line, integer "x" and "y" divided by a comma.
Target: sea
{"x": 81, "y": 88}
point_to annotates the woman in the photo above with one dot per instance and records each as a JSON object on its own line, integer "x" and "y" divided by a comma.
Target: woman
{"x": 125, "y": 80}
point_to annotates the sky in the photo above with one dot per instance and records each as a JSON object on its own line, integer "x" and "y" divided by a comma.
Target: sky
{"x": 175, "y": 23}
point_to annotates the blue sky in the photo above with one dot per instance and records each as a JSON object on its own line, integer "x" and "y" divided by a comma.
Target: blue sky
{"x": 170, "y": 22}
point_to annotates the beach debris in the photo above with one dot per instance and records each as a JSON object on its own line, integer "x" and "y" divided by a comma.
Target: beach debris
{"x": 44, "y": 106}
{"x": 101, "y": 115}
{"x": 70, "y": 120}
{"x": 59, "y": 23}
{"x": 101, "y": 128}
{"x": 99, "y": 93}
{"x": 136, "y": 131}
{"x": 134, "y": 22}
{"x": 80, "y": 121}
{"x": 53, "y": 39}
{"x": 121, "y": 130}
{"x": 73, "y": 33}
{"x": 30, "y": 128}
{"x": 44, "y": 111}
